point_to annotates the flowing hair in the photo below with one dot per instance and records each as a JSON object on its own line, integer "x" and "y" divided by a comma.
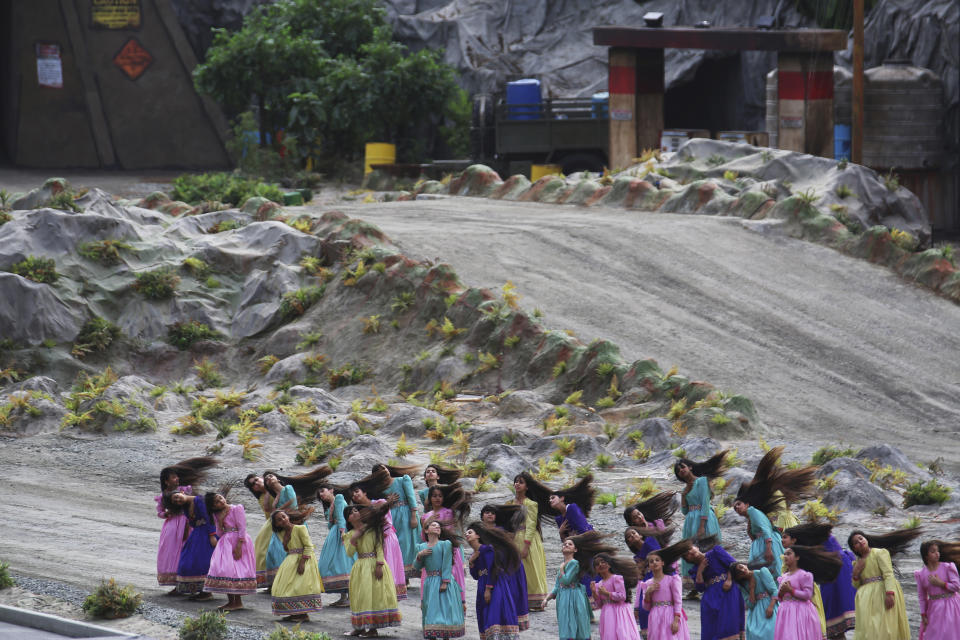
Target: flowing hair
{"x": 824, "y": 565}
{"x": 580, "y": 494}
{"x": 662, "y": 536}
{"x": 540, "y": 493}
{"x": 447, "y": 530}
{"x": 949, "y": 551}
{"x": 375, "y": 484}
{"x": 248, "y": 483}
{"x": 712, "y": 467}
{"x": 189, "y": 471}
{"x": 445, "y": 475}
{"x": 660, "y": 507}
{"x": 297, "y": 516}
{"x": 508, "y": 517}
{"x": 304, "y": 485}
{"x": 589, "y": 544}
{"x": 373, "y": 517}
{"x": 506, "y": 558}
{"x": 674, "y": 552}
{"x": 810, "y": 534}
{"x": 455, "y": 498}
{"x": 397, "y": 471}
{"x": 895, "y": 541}
{"x": 624, "y": 567}
{"x": 770, "y": 477}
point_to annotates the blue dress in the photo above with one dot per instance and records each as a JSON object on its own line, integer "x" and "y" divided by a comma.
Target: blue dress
{"x": 761, "y": 530}
{"x": 498, "y": 619}
{"x": 576, "y": 524}
{"x": 641, "y": 615}
{"x": 334, "y": 563}
{"x": 400, "y": 512}
{"x": 195, "y": 558}
{"x": 276, "y": 553}
{"x": 758, "y": 625}
{"x": 573, "y": 609}
{"x": 721, "y": 612}
{"x": 839, "y": 596}
{"x": 698, "y": 504}
{"x": 442, "y": 611}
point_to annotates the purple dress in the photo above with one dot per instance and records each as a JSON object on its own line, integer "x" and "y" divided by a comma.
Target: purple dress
{"x": 941, "y": 606}
{"x": 195, "y": 557}
{"x": 721, "y": 612}
{"x": 228, "y": 575}
{"x": 642, "y": 615}
{"x": 616, "y": 620}
{"x": 173, "y": 534}
{"x": 797, "y": 617}
{"x": 498, "y": 619}
{"x": 838, "y": 596}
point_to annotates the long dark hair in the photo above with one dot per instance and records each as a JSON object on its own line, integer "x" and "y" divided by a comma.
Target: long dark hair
{"x": 539, "y": 489}
{"x": 170, "y": 506}
{"x": 895, "y": 541}
{"x": 624, "y": 567}
{"x": 304, "y": 485}
{"x": 373, "y": 517}
{"x": 810, "y": 534}
{"x": 660, "y": 507}
{"x": 770, "y": 477}
{"x": 374, "y": 484}
{"x": 447, "y": 531}
{"x": 508, "y": 517}
{"x": 445, "y": 475}
{"x": 248, "y": 483}
{"x": 662, "y": 536}
{"x": 298, "y": 516}
{"x": 712, "y": 467}
{"x": 674, "y": 552}
{"x": 824, "y": 565}
{"x": 589, "y": 544}
{"x": 190, "y": 471}
{"x": 506, "y": 558}
{"x": 397, "y": 471}
{"x": 949, "y": 551}
{"x": 455, "y": 498}
{"x": 580, "y": 494}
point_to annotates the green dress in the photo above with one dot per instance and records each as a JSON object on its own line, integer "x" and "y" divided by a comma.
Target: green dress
{"x": 573, "y": 609}
{"x": 874, "y": 620}
{"x": 373, "y": 603}
{"x": 442, "y": 611}
{"x": 294, "y": 593}
{"x": 262, "y": 542}
{"x": 535, "y": 564}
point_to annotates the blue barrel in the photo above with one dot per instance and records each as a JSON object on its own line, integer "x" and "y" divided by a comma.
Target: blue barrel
{"x": 600, "y": 105}
{"x": 523, "y": 99}
{"x": 841, "y": 141}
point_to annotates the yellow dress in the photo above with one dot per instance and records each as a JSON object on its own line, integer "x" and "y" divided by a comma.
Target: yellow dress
{"x": 262, "y": 542}
{"x": 782, "y": 518}
{"x": 295, "y": 593}
{"x": 373, "y": 603}
{"x": 874, "y": 620}
{"x": 535, "y": 564}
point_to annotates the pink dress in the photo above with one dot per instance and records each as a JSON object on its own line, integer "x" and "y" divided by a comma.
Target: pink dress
{"x": 393, "y": 555}
{"x": 797, "y": 617}
{"x": 616, "y": 614}
{"x": 446, "y": 515}
{"x": 941, "y": 606}
{"x": 227, "y": 575}
{"x": 667, "y": 602}
{"x": 173, "y": 535}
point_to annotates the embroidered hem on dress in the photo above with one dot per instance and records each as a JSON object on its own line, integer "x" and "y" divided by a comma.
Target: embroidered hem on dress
{"x": 443, "y": 631}
{"x": 840, "y": 625}
{"x": 375, "y": 619}
{"x": 500, "y": 632}
{"x": 190, "y": 584}
{"x": 236, "y": 586}
{"x": 296, "y": 604}
{"x": 167, "y": 579}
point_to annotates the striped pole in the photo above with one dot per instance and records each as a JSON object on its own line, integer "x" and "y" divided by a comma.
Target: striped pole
{"x": 622, "y": 86}
{"x": 805, "y": 100}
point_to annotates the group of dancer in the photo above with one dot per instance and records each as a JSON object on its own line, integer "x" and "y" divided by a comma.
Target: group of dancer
{"x": 797, "y": 583}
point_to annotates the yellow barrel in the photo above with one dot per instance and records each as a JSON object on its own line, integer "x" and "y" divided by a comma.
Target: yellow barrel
{"x": 537, "y": 171}
{"x": 378, "y": 153}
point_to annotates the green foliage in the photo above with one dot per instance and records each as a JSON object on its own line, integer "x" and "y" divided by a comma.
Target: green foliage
{"x": 209, "y": 625}
{"x": 96, "y": 335}
{"x": 825, "y": 454}
{"x": 197, "y": 267}
{"x": 891, "y": 180}
{"x": 280, "y": 633}
{"x": 106, "y": 252}
{"x": 158, "y": 284}
{"x": 309, "y": 339}
{"x": 346, "y": 375}
{"x": 296, "y": 303}
{"x": 266, "y": 363}
{"x": 716, "y": 160}
{"x": 229, "y": 188}
{"x": 110, "y": 600}
{"x": 182, "y": 335}
{"x": 930, "y": 493}
{"x": 64, "y": 201}
{"x": 885, "y": 475}
{"x": 912, "y": 523}
{"x": 607, "y": 498}
{"x": 208, "y": 372}
{"x": 211, "y": 283}
{"x": 511, "y": 341}
{"x": 402, "y": 301}
{"x": 816, "y": 511}
{"x": 604, "y": 461}
{"x": 843, "y": 191}
{"x": 371, "y": 324}
{"x": 559, "y": 369}
{"x": 42, "y": 270}
{"x": 808, "y": 197}
{"x": 6, "y": 580}
{"x": 5, "y": 218}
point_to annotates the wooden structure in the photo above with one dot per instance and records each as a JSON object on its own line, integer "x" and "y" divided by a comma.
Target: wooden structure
{"x": 636, "y": 81}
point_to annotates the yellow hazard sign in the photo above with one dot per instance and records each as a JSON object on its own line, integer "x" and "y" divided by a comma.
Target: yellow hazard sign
{"x": 115, "y": 14}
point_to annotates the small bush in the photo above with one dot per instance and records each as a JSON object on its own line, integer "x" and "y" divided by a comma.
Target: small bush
{"x": 843, "y": 191}
{"x": 5, "y": 218}
{"x": 106, "y": 252}
{"x": 96, "y": 335}
{"x": 604, "y": 461}
{"x": 42, "y": 270}
{"x": 316, "y": 448}
{"x": 279, "y": 633}
{"x": 6, "y": 580}
{"x": 346, "y": 375}
{"x": 209, "y": 625}
{"x": 196, "y": 267}
{"x": 208, "y": 373}
{"x": 64, "y": 201}
{"x": 930, "y": 493}
{"x": 222, "y": 187}
{"x": 158, "y": 284}
{"x": 815, "y": 511}
{"x": 110, "y": 600}
{"x": 182, "y": 335}
{"x": 296, "y": 303}
{"x": 824, "y": 455}
{"x": 607, "y": 498}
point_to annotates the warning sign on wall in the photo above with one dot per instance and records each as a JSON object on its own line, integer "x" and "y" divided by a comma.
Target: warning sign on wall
{"x": 115, "y": 14}
{"x": 49, "y": 66}
{"x": 133, "y": 59}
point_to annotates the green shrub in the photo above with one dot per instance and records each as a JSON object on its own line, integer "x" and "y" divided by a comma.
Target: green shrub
{"x": 197, "y": 267}
{"x": 223, "y": 187}
{"x": 208, "y": 372}
{"x": 607, "y": 498}
{"x": 279, "y": 633}
{"x": 296, "y": 303}
{"x": 106, "y": 252}
{"x": 110, "y": 600}
{"x": 96, "y": 335}
{"x": 158, "y": 284}
{"x": 930, "y": 493}
{"x": 209, "y": 625}
{"x": 182, "y": 335}
{"x": 64, "y": 201}
{"x": 6, "y": 580}
{"x": 37, "y": 269}
{"x": 5, "y": 218}
{"x": 824, "y": 455}
{"x": 317, "y": 448}
{"x": 346, "y": 375}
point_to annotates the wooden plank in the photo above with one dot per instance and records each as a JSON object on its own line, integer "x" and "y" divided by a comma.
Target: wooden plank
{"x": 623, "y": 106}
{"x": 722, "y": 38}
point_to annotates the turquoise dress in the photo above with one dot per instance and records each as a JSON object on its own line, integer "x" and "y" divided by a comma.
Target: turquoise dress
{"x": 334, "y": 563}
{"x": 697, "y": 504}
{"x": 442, "y": 611}
{"x": 573, "y": 609}
{"x": 761, "y": 530}
{"x": 276, "y": 554}
{"x": 422, "y": 494}
{"x": 758, "y": 625}
{"x": 407, "y": 537}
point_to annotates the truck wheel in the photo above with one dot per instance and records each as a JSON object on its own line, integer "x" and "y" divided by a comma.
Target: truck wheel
{"x": 582, "y": 162}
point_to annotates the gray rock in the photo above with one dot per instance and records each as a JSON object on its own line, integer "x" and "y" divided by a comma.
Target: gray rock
{"x": 523, "y": 403}
{"x": 849, "y": 466}
{"x": 32, "y": 312}
{"x": 657, "y": 435}
{"x": 260, "y": 299}
{"x": 486, "y": 437}
{"x": 42, "y": 384}
{"x": 852, "y": 493}
{"x": 408, "y": 421}
{"x": 321, "y": 399}
{"x": 359, "y": 465}
{"x": 40, "y": 196}
{"x": 587, "y": 447}
{"x": 369, "y": 446}
{"x": 346, "y": 429}
{"x": 274, "y": 421}
{"x": 290, "y": 368}
{"x": 505, "y": 459}
{"x": 736, "y": 477}
{"x": 700, "y": 448}
{"x": 888, "y": 455}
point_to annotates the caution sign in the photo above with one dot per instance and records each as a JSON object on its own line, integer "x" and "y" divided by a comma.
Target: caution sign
{"x": 115, "y": 14}
{"x": 133, "y": 59}
{"x": 49, "y": 66}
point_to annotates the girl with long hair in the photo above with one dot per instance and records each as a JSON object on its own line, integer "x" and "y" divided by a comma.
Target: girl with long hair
{"x": 369, "y": 491}
{"x": 373, "y": 595}
{"x": 233, "y": 567}
{"x": 179, "y": 477}
{"x": 404, "y": 513}
{"x": 261, "y": 543}
{"x": 880, "y": 609}
{"x": 334, "y": 564}
{"x": 662, "y": 598}
{"x": 297, "y": 586}
{"x": 194, "y": 560}
{"x": 797, "y": 617}
{"x": 759, "y": 590}
{"x": 449, "y": 504}
{"x": 530, "y": 541}
{"x": 568, "y": 507}
{"x": 938, "y": 589}
{"x": 653, "y": 513}
{"x": 436, "y": 474}
{"x": 493, "y": 562}
{"x": 612, "y": 593}
{"x": 721, "y": 607}
{"x": 641, "y": 541}
{"x": 699, "y": 522}
{"x": 441, "y": 602}
{"x": 573, "y": 608}
{"x": 837, "y": 597}
{"x": 509, "y": 518}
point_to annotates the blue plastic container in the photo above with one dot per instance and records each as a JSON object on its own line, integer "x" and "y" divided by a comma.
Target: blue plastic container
{"x": 841, "y": 141}
{"x": 600, "y": 105}
{"x": 523, "y": 99}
